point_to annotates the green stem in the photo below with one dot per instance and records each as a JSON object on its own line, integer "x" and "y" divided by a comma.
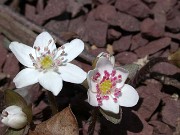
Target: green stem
{"x": 52, "y": 103}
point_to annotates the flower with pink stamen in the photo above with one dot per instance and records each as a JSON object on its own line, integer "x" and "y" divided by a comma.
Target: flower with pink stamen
{"x": 107, "y": 87}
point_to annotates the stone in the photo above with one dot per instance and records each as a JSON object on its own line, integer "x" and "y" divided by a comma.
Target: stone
{"x": 150, "y": 28}
{"x": 106, "y": 13}
{"x": 11, "y": 66}
{"x": 57, "y": 26}
{"x": 165, "y": 68}
{"x": 122, "y": 44}
{"x": 138, "y": 41}
{"x": 126, "y": 57}
{"x": 97, "y": 32}
{"x": 52, "y": 9}
{"x": 174, "y": 47}
{"x": 77, "y": 26}
{"x": 150, "y": 1}
{"x": 106, "y": 1}
{"x": 132, "y": 123}
{"x": 170, "y": 111}
{"x": 133, "y": 7}
{"x": 161, "y": 128}
{"x": 127, "y": 22}
{"x": 74, "y": 7}
{"x": 112, "y": 34}
{"x": 173, "y": 35}
{"x": 174, "y": 24}
{"x": 97, "y": 51}
{"x": 114, "y": 18}
{"x": 150, "y": 96}
{"x": 146, "y": 130}
{"x": 165, "y": 53}
{"x": 3, "y": 52}
{"x": 153, "y": 47}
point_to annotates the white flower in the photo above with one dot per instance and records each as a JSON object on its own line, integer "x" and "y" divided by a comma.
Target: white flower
{"x": 14, "y": 117}
{"x": 47, "y": 64}
{"x": 107, "y": 87}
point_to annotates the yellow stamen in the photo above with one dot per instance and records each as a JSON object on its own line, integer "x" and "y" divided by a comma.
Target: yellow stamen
{"x": 46, "y": 62}
{"x": 105, "y": 86}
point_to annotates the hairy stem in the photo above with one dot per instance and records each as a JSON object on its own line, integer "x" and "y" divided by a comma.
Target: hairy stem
{"x": 93, "y": 120}
{"x": 52, "y": 103}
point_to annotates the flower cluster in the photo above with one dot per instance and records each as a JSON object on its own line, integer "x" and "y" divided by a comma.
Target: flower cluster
{"x": 49, "y": 65}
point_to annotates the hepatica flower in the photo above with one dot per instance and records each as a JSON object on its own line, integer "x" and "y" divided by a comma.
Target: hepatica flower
{"x": 107, "y": 87}
{"x": 14, "y": 117}
{"x": 47, "y": 64}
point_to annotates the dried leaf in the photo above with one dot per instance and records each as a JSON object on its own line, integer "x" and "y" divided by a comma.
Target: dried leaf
{"x": 13, "y": 98}
{"x": 112, "y": 117}
{"x": 63, "y": 123}
{"x": 175, "y": 58}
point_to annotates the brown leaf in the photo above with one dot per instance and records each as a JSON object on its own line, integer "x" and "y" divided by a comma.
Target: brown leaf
{"x": 63, "y": 123}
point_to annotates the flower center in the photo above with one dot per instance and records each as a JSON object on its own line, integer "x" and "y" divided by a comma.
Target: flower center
{"x": 48, "y": 59}
{"x": 46, "y": 62}
{"x": 106, "y": 85}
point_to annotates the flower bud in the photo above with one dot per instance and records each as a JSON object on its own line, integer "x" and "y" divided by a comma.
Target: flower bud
{"x": 14, "y": 117}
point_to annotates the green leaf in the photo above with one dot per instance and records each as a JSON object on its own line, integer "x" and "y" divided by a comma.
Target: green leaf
{"x": 13, "y": 98}
{"x": 11, "y": 131}
{"x": 132, "y": 68}
{"x": 112, "y": 117}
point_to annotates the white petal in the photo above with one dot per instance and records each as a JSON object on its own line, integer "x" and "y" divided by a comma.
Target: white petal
{"x": 92, "y": 85}
{"x": 129, "y": 96}
{"x": 17, "y": 121}
{"x": 111, "y": 58}
{"x": 104, "y": 64}
{"x": 124, "y": 74}
{"x": 92, "y": 100}
{"x": 22, "y": 51}
{"x": 51, "y": 81}
{"x": 89, "y": 77}
{"x": 72, "y": 49}
{"x": 110, "y": 105}
{"x": 72, "y": 73}
{"x": 44, "y": 40}
{"x": 13, "y": 109}
{"x": 25, "y": 77}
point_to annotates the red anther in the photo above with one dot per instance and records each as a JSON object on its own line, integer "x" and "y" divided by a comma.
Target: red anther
{"x": 106, "y": 97}
{"x": 113, "y": 72}
{"x": 115, "y": 100}
{"x": 99, "y": 103}
{"x": 98, "y": 95}
{"x": 113, "y": 84}
{"x": 119, "y": 76}
{"x": 98, "y": 74}
{"x": 106, "y": 73}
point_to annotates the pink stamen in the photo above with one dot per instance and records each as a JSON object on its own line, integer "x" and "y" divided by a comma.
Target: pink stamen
{"x": 115, "y": 100}
{"x": 113, "y": 73}
{"x": 106, "y": 97}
